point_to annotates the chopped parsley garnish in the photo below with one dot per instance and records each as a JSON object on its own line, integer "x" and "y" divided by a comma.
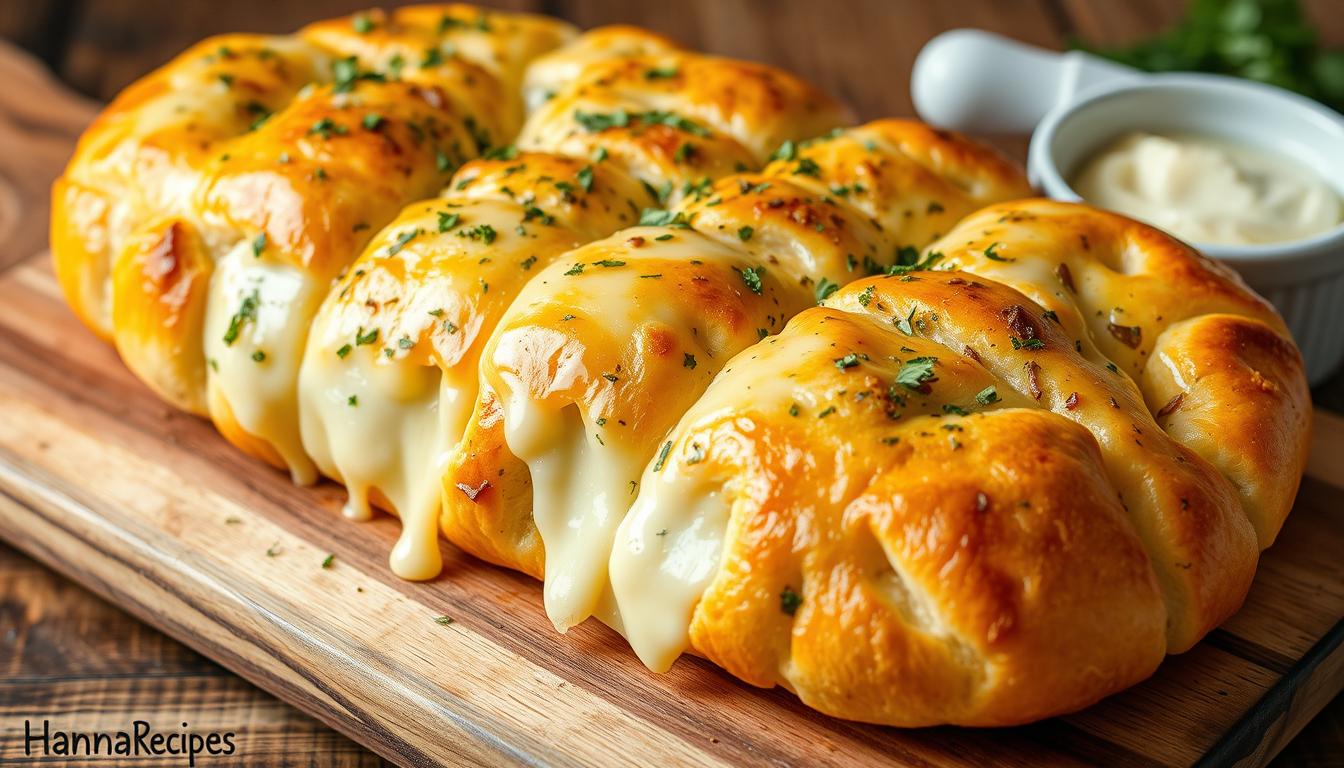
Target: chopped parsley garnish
{"x": 866, "y": 297}
{"x": 992, "y": 253}
{"x": 824, "y": 289}
{"x": 595, "y": 122}
{"x": 903, "y": 324}
{"x": 662, "y": 456}
{"x": 345, "y": 72}
{"x": 848, "y": 361}
{"x": 443, "y": 620}
{"x": 343, "y": 351}
{"x": 752, "y": 277}
{"x": 915, "y": 372}
{"x": 609, "y": 263}
{"x": 657, "y": 217}
{"x": 574, "y": 270}
{"x": 326, "y": 127}
{"x": 688, "y": 360}
{"x": 258, "y": 356}
{"x": 372, "y": 121}
{"x": 787, "y": 151}
{"x": 362, "y": 338}
{"x": 987, "y": 396}
{"x": 483, "y": 232}
{"x": 660, "y": 73}
{"x": 352, "y": 401}
{"x": 327, "y": 561}
{"x": 744, "y": 233}
{"x": 955, "y": 410}
{"x": 789, "y": 601}
{"x": 259, "y": 244}
{"x": 362, "y": 23}
{"x": 807, "y": 167}
{"x": 585, "y": 178}
{"x": 402, "y": 240}
{"x": 246, "y": 311}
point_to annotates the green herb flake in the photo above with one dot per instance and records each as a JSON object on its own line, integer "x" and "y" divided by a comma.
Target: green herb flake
{"x": 915, "y": 372}
{"x": 662, "y": 456}
{"x": 259, "y": 245}
{"x": 326, "y": 128}
{"x": 752, "y": 277}
{"x": 807, "y": 167}
{"x": 744, "y": 233}
{"x": 787, "y": 151}
{"x": 824, "y": 289}
{"x": 246, "y": 311}
{"x": 992, "y": 253}
{"x": 688, "y": 360}
{"x": 789, "y": 601}
{"x": 987, "y": 396}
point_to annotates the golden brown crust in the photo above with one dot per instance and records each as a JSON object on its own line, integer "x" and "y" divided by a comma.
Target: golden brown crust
{"x": 1178, "y": 323}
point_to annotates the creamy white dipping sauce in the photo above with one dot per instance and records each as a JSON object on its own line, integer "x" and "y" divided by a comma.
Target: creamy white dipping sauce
{"x": 1207, "y": 190}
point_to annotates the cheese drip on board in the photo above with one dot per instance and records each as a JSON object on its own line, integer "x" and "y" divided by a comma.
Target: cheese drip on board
{"x": 389, "y": 377}
{"x": 594, "y": 362}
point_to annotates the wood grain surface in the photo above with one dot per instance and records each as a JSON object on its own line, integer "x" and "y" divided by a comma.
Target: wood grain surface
{"x": 66, "y": 653}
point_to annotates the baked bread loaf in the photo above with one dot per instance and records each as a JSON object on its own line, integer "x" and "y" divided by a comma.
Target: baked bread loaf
{"x": 554, "y": 297}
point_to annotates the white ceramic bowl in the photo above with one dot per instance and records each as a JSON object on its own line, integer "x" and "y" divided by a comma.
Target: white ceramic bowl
{"x": 1083, "y": 104}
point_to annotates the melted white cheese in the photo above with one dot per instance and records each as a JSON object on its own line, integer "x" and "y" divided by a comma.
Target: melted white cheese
{"x": 667, "y": 551}
{"x": 376, "y": 425}
{"x": 257, "y": 373}
{"x": 584, "y": 475}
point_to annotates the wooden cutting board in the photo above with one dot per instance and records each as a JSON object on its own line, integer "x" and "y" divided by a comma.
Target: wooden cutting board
{"x": 154, "y": 511}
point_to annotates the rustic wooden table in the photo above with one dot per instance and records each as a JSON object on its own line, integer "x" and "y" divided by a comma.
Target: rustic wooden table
{"x": 65, "y": 651}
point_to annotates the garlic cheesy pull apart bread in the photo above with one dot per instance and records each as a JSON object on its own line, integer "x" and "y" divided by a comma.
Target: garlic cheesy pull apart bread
{"x": 941, "y": 498}
{"x": 554, "y": 297}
